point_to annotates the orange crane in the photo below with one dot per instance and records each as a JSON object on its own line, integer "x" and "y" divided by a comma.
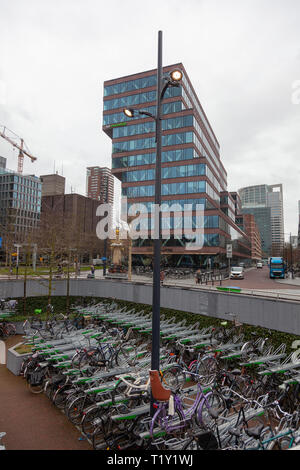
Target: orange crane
{"x": 18, "y": 143}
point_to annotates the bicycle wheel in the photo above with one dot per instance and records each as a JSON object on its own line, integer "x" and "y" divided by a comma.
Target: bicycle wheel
{"x": 170, "y": 378}
{"x": 10, "y": 329}
{"x": 76, "y": 407}
{"x": 121, "y": 357}
{"x": 214, "y": 401}
{"x": 174, "y": 424}
{"x": 85, "y": 358}
{"x": 60, "y": 396}
{"x": 207, "y": 368}
{"x": 98, "y": 441}
{"x": 3, "y": 332}
{"x": 91, "y": 419}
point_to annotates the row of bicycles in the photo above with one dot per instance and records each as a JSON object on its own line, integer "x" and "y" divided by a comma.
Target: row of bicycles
{"x": 215, "y": 389}
{"x": 7, "y": 309}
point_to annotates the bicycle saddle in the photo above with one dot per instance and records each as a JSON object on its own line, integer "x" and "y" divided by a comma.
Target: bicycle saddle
{"x": 213, "y": 413}
{"x": 234, "y": 432}
{"x": 255, "y": 432}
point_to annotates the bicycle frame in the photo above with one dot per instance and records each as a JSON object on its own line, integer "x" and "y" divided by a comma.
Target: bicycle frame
{"x": 165, "y": 421}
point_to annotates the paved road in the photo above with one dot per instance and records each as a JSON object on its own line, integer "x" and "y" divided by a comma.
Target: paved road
{"x": 259, "y": 279}
{"x": 256, "y": 279}
{"x": 31, "y": 421}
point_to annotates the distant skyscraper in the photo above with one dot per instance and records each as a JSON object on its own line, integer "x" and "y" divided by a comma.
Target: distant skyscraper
{"x": 100, "y": 184}
{"x": 265, "y": 202}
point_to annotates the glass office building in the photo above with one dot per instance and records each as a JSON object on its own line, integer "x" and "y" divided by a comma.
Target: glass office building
{"x": 20, "y": 203}
{"x": 192, "y": 171}
{"x": 265, "y": 202}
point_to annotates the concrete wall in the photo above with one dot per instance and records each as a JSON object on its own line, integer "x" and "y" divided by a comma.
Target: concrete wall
{"x": 265, "y": 312}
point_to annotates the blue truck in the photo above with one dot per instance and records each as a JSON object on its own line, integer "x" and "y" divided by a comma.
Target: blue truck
{"x": 277, "y": 268}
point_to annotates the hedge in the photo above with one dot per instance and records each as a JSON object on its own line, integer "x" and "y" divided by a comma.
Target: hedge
{"x": 59, "y": 304}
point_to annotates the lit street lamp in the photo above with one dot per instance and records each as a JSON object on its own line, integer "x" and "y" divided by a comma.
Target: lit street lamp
{"x": 163, "y": 82}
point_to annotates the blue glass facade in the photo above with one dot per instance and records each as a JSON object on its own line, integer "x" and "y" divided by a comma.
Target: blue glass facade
{"x": 187, "y": 137}
{"x": 20, "y": 202}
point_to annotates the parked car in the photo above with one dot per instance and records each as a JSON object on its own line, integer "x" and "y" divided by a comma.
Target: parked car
{"x": 237, "y": 272}
{"x": 259, "y": 264}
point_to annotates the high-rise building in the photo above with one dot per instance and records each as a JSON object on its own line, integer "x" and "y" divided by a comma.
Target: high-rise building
{"x": 53, "y": 184}
{"x": 247, "y": 223}
{"x": 2, "y": 162}
{"x": 192, "y": 171}
{"x": 265, "y": 202}
{"x": 100, "y": 184}
{"x": 20, "y": 204}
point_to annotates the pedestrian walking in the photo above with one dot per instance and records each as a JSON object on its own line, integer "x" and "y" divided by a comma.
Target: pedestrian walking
{"x": 92, "y": 269}
{"x": 198, "y": 276}
{"x": 162, "y": 277}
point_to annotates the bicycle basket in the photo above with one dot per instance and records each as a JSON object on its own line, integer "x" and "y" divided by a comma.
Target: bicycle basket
{"x": 36, "y": 377}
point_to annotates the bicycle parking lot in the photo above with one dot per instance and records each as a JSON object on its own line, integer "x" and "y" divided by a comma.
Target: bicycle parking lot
{"x": 94, "y": 382}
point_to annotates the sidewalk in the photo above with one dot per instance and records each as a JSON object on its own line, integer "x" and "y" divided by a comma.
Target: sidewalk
{"x": 291, "y": 282}
{"x": 30, "y": 421}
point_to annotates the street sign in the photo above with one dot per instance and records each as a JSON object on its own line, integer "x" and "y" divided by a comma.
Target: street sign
{"x": 104, "y": 259}
{"x": 229, "y": 251}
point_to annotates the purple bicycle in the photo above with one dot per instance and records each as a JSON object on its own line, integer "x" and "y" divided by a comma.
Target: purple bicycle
{"x": 173, "y": 413}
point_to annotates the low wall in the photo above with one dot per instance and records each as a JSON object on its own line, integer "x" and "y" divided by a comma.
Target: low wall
{"x": 281, "y": 315}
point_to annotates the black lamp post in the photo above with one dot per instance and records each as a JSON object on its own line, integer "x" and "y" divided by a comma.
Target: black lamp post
{"x": 105, "y": 196}
{"x": 173, "y": 79}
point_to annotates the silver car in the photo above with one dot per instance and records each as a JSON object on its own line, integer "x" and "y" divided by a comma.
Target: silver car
{"x": 237, "y": 272}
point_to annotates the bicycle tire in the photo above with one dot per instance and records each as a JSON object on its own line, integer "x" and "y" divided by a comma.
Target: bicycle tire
{"x": 167, "y": 422}
{"x": 75, "y": 409}
{"x": 11, "y": 329}
{"x": 60, "y": 396}
{"x": 206, "y": 368}
{"x": 170, "y": 378}
{"x": 88, "y": 423}
{"x": 212, "y": 400}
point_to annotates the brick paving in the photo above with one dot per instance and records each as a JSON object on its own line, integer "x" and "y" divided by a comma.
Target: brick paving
{"x": 31, "y": 421}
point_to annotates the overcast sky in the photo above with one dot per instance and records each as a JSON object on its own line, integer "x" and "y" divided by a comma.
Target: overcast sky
{"x": 242, "y": 56}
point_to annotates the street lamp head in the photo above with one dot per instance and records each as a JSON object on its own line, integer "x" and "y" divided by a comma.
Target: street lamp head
{"x": 176, "y": 75}
{"x": 129, "y": 112}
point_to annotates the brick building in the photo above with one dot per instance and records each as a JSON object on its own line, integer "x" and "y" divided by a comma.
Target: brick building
{"x": 75, "y": 215}
{"x": 53, "y": 184}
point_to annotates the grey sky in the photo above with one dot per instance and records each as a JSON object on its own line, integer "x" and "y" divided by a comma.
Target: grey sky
{"x": 242, "y": 57}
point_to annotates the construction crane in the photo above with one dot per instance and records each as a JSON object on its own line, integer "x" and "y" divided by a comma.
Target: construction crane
{"x": 18, "y": 143}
